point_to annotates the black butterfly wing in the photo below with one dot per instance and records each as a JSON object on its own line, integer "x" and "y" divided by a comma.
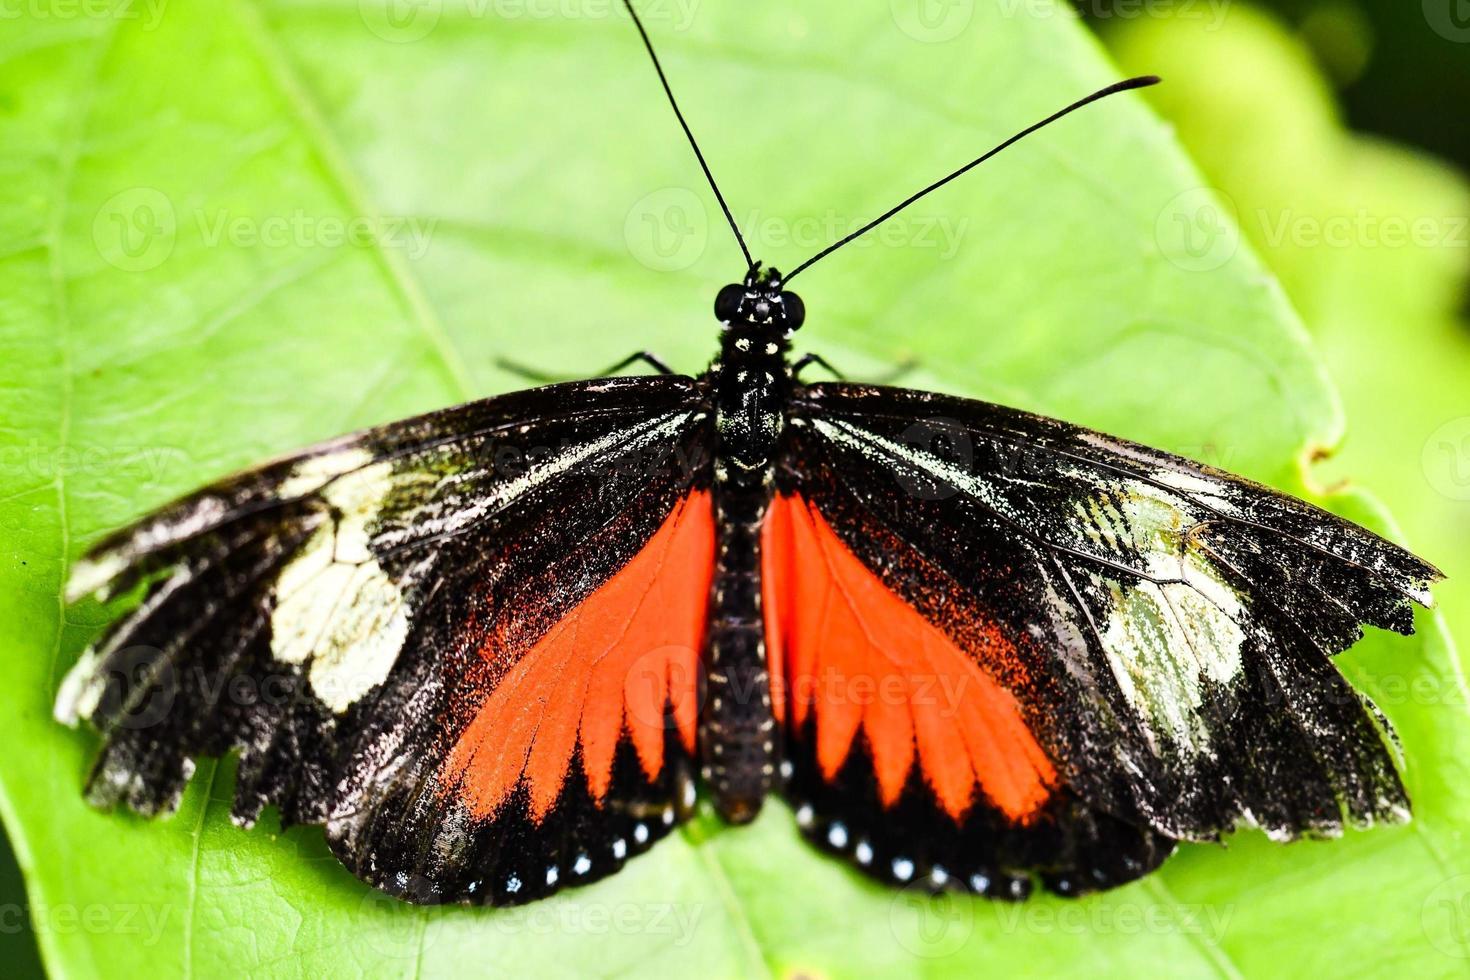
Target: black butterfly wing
{"x": 1159, "y": 632}
{"x": 376, "y": 623}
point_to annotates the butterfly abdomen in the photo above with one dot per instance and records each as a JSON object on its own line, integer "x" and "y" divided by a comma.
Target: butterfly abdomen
{"x": 737, "y": 729}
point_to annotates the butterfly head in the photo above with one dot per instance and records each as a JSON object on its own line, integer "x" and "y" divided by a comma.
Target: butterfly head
{"x": 760, "y": 302}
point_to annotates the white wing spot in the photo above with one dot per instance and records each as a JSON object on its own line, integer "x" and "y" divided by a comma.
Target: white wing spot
{"x": 315, "y": 472}
{"x": 336, "y": 608}
{"x": 88, "y": 577}
{"x": 81, "y": 690}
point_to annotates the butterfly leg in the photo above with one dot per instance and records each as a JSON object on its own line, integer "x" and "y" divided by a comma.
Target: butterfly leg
{"x": 543, "y": 377}
{"x": 888, "y": 377}
{"x": 807, "y": 360}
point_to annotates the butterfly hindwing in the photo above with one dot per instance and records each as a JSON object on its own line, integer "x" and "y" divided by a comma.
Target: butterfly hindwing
{"x": 908, "y": 739}
{"x": 373, "y": 623}
{"x": 1160, "y": 633}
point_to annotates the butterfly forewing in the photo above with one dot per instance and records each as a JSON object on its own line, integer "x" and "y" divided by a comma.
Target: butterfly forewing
{"x": 1074, "y": 650}
{"x": 467, "y": 643}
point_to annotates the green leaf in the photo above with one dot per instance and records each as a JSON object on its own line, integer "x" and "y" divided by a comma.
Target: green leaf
{"x": 177, "y": 303}
{"x": 1370, "y": 239}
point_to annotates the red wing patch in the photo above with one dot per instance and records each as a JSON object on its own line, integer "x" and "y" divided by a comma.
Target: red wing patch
{"x": 846, "y": 649}
{"x": 607, "y": 669}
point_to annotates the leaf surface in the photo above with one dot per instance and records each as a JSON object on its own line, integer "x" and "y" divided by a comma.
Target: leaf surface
{"x": 228, "y": 230}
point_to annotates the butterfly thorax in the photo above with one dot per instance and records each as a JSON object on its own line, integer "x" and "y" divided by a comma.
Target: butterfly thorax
{"x": 750, "y": 386}
{"x": 750, "y": 379}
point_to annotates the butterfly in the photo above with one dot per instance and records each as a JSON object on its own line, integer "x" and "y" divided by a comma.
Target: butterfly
{"x": 496, "y": 650}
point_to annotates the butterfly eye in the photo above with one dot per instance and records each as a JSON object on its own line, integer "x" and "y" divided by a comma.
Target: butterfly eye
{"x": 727, "y": 303}
{"x": 795, "y": 310}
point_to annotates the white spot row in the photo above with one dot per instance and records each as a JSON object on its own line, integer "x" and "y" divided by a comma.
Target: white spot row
{"x": 583, "y": 862}
{"x": 838, "y": 837}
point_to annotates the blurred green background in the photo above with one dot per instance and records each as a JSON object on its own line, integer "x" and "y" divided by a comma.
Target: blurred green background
{"x": 1338, "y": 129}
{"x": 1338, "y": 132}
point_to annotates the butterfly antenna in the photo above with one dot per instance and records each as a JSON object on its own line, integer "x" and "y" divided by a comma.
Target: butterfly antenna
{"x": 749, "y": 262}
{"x": 1124, "y": 86}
